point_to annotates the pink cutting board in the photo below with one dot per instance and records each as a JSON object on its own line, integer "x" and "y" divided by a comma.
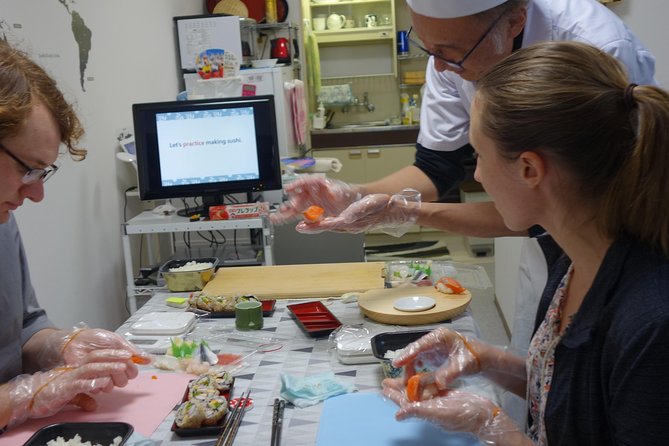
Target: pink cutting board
{"x": 144, "y": 403}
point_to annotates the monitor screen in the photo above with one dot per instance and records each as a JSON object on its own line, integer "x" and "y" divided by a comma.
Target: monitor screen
{"x": 206, "y": 148}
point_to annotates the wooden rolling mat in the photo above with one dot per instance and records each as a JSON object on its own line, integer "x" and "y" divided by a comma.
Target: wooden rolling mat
{"x": 297, "y": 281}
{"x": 378, "y": 305}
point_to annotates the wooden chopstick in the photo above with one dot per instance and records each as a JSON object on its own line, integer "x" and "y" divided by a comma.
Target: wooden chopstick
{"x": 227, "y": 436}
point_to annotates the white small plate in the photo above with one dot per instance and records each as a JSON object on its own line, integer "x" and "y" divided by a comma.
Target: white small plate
{"x": 414, "y": 303}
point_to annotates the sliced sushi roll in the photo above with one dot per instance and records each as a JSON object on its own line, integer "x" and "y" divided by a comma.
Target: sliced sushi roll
{"x": 202, "y": 394}
{"x": 221, "y": 380}
{"x": 214, "y": 410}
{"x": 190, "y": 414}
{"x": 205, "y": 380}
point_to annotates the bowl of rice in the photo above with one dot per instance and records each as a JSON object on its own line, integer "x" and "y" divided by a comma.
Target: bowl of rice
{"x": 188, "y": 274}
{"x": 386, "y": 346}
{"x": 82, "y": 434}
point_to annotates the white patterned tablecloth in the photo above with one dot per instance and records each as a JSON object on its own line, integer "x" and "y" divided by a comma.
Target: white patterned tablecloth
{"x": 300, "y": 356}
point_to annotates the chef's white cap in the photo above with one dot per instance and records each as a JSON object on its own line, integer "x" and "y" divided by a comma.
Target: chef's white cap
{"x": 448, "y": 9}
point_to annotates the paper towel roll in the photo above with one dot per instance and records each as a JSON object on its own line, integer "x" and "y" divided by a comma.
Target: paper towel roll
{"x": 324, "y": 165}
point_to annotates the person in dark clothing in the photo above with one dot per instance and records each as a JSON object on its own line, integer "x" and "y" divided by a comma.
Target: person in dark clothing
{"x": 565, "y": 141}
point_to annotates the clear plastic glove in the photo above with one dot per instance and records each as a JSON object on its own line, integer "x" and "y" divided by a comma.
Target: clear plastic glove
{"x": 458, "y": 411}
{"x": 89, "y": 345}
{"x": 332, "y": 195}
{"x": 45, "y": 393}
{"x": 392, "y": 214}
{"x": 450, "y": 353}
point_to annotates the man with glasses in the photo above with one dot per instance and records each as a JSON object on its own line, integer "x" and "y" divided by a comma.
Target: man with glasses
{"x": 464, "y": 39}
{"x": 42, "y": 369}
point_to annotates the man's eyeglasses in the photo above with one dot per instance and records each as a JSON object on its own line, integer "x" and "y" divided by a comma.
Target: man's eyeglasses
{"x": 32, "y": 175}
{"x": 456, "y": 66}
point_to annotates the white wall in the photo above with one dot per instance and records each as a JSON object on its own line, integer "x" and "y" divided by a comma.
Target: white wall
{"x": 648, "y": 20}
{"x": 73, "y": 238}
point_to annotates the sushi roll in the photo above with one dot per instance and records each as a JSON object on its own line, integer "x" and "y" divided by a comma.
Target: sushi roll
{"x": 202, "y": 394}
{"x": 205, "y": 380}
{"x": 221, "y": 380}
{"x": 189, "y": 415}
{"x": 214, "y": 410}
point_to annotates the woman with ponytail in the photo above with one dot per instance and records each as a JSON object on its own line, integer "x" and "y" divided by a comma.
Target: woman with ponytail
{"x": 564, "y": 141}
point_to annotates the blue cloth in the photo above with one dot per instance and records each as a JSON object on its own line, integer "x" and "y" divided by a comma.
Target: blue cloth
{"x": 610, "y": 383}
{"x": 311, "y": 390}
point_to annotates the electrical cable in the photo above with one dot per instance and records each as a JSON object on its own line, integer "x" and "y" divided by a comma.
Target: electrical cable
{"x": 235, "y": 243}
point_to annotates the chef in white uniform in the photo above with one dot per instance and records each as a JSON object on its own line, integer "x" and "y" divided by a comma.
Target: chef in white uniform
{"x": 464, "y": 38}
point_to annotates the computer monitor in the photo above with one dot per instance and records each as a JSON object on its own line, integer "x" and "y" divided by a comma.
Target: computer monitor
{"x": 206, "y": 148}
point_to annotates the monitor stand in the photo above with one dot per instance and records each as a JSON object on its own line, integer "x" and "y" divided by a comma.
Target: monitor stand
{"x": 202, "y": 209}
{"x": 195, "y": 210}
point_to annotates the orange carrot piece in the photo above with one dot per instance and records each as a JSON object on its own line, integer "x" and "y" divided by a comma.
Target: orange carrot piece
{"x": 313, "y": 213}
{"x": 414, "y": 389}
{"x": 140, "y": 360}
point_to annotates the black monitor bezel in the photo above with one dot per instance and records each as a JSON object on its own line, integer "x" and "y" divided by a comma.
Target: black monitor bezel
{"x": 148, "y": 160}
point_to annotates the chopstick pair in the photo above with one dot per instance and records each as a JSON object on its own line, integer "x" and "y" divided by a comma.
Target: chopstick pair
{"x": 227, "y": 436}
{"x": 277, "y": 421}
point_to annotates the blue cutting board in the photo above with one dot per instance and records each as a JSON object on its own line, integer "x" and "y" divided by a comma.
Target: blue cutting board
{"x": 369, "y": 419}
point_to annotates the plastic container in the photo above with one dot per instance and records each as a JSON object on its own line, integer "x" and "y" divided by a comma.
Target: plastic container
{"x": 382, "y": 343}
{"x": 178, "y": 281}
{"x": 96, "y": 433}
{"x": 427, "y": 272}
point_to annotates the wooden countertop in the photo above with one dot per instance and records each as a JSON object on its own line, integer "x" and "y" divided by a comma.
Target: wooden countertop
{"x": 364, "y": 136}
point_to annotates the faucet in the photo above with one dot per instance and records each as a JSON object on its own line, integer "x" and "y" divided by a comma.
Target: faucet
{"x": 366, "y": 103}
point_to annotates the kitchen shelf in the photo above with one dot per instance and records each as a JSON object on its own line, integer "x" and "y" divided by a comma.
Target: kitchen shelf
{"x": 412, "y": 56}
{"x": 351, "y": 36}
{"x": 347, "y": 2}
{"x": 375, "y": 45}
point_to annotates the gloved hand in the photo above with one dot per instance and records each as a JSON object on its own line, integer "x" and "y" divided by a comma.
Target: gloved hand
{"x": 332, "y": 195}
{"x": 45, "y": 393}
{"x": 392, "y": 214}
{"x": 458, "y": 411}
{"x": 88, "y": 345}
{"x": 448, "y": 353}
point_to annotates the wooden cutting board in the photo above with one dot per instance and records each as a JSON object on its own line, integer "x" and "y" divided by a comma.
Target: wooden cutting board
{"x": 297, "y": 281}
{"x": 378, "y": 305}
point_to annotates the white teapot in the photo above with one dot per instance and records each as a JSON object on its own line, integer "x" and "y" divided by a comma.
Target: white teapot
{"x": 336, "y": 21}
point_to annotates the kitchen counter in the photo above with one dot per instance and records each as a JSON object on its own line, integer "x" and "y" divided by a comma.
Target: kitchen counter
{"x": 356, "y": 136}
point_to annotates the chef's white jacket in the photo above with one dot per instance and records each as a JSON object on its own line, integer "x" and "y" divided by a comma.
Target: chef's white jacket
{"x": 447, "y": 97}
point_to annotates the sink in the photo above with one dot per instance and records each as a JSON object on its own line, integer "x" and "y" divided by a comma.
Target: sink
{"x": 358, "y": 125}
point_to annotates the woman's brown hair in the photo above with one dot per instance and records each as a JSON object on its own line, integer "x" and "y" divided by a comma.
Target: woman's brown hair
{"x": 575, "y": 103}
{"x": 23, "y": 83}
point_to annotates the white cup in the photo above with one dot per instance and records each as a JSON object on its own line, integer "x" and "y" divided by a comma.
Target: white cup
{"x": 350, "y": 23}
{"x": 336, "y": 21}
{"x": 319, "y": 23}
{"x": 371, "y": 20}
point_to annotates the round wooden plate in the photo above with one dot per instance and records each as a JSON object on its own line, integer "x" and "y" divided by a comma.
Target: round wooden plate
{"x": 378, "y": 305}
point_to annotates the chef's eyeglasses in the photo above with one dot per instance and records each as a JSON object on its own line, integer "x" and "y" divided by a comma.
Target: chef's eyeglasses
{"x": 32, "y": 175}
{"x": 456, "y": 66}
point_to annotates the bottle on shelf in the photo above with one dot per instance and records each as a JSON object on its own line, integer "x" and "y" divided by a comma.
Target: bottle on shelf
{"x": 415, "y": 109}
{"x": 270, "y": 11}
{"x": 405, "y": 110}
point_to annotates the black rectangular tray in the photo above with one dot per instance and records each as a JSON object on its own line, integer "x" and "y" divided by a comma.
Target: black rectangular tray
{"x": 96, "y": 433}
{"x": 204, "y": 430}
{"x": 394, "y": 340}
{"x": 268, "y": 307}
